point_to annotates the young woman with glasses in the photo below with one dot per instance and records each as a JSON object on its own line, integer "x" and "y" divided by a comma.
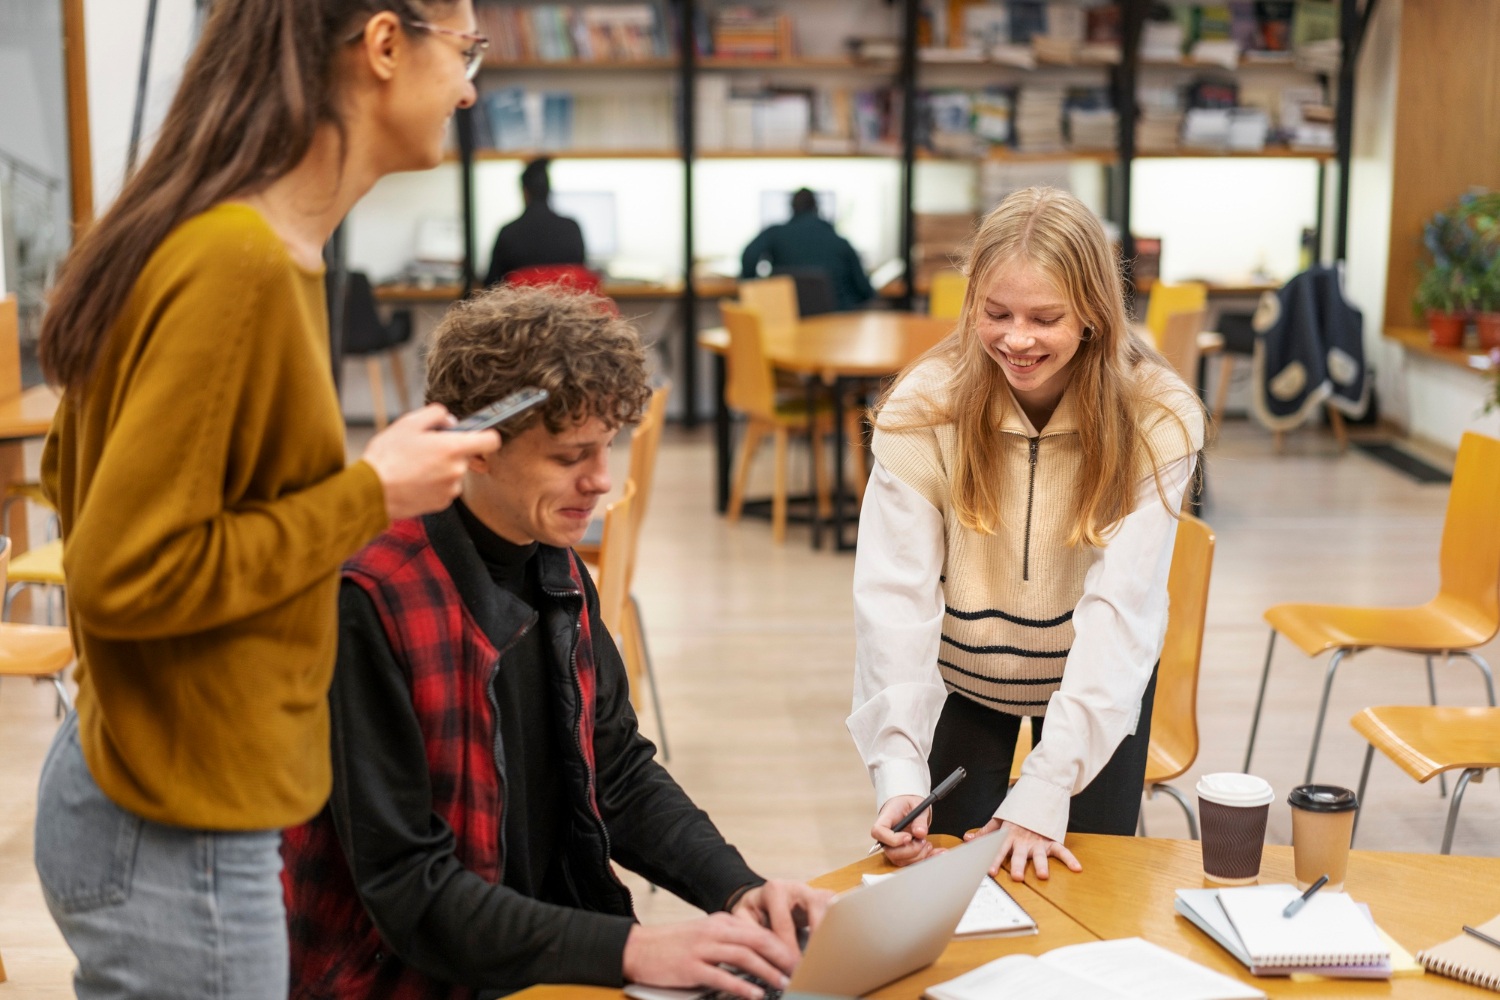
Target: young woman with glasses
{"x": 198, "y": 465}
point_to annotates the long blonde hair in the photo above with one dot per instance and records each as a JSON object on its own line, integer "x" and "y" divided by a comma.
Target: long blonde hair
{"x": 1057, "y": 234}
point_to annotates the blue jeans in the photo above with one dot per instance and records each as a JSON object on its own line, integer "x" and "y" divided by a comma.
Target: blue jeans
{"x": 153, "y": 910}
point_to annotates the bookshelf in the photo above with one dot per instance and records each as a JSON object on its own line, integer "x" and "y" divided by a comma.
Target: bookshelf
{"x": 668, "y": 65}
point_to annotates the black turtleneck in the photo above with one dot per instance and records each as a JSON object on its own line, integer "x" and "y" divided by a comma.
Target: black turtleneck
{"x": 533, "y": 817}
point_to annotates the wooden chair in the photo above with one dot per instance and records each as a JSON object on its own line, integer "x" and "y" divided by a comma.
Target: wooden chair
{"x": 945, "y": 297}
{"x": 751, "y": 391}
{"x": 38, "y": 567}
{"x": 366, "y": 335}
{"x": 1425, "y": 740}
{"x": 775, "y": 299}
{"x": 614, "y": 564}
{"x": 1463, "y": 616}
{"x": 1174, "y": 710}
{"x": 1179, "y": 343}
{"x": 41, "y": 652}
{"x": 645, "y": 445}
{"x": 1166, "y": 299}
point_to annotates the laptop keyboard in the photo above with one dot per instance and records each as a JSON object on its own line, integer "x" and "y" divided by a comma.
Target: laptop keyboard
{"x": 771, "y": 994}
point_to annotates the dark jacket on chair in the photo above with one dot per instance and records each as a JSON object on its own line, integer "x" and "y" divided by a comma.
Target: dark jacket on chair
{"x": 421, "y": 911}
{"x": 1310, "y": 350}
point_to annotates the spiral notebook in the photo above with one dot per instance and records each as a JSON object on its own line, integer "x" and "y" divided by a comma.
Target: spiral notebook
{"x": 1328, "y": 930}
{"x": 1466, "y": 958}
{"x": 1201, "y": 907}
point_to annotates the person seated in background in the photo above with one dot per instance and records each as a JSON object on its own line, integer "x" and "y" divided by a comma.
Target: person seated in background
{"x": 807, "y": 241}
{"x": 488, "y": 768}
{"x": 538, "y": 236}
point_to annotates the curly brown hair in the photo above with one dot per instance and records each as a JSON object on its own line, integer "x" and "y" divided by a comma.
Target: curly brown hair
{"x": 573, "y": 345}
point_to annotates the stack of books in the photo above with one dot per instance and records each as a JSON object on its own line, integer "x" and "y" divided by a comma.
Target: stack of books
{"x": 945, "y": 123}
{"x": 625, "y": 32}
{"x": 1206, "y": 128}
{"x": 1248, "y": 128}
{"x": 1160, "y": 119}
{"x": 516, "y": 119}
{"x": 1038, "y": 119}
{"x": 743, "y": 32}
{"x": 1093, "y": 123}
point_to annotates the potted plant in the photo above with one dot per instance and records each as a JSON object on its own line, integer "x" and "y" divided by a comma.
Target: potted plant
{"x": 1444, "y": 296}
{"x": 1487, "y": 304}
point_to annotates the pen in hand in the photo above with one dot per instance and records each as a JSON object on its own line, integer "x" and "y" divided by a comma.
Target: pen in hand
{"x": 1297, "y": 904}
{"x": 941, "y": 790}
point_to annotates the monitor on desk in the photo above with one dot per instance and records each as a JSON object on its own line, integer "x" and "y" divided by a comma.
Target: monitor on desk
{"x": 594, "y": 211}
{"x": 776, "y": 206}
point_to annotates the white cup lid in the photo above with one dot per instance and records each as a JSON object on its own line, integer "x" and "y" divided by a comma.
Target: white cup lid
{"x": 1229, "y": 788}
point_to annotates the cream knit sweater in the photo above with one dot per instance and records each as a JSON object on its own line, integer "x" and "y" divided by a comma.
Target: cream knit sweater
{"x": 1009, "y": 597}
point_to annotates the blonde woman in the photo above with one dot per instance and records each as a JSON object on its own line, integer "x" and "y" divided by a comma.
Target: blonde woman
{"x": 1014, "y": 547}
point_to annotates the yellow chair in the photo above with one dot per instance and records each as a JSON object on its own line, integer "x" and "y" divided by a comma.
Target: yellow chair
{"x": 1463, "y": 616}
{"x": 645, "y": 445}
{"x": 1178, "y": 343}
{"x": 38, "y": 567}
{"x": 1174, "y": 710}
{"x": 1425, "y": 740}
{"x": 774, "y": 298}
{"x": 614, "y": 563}
{"x": 41, "y": 652}
{"x": 751, "y": 390}
{"x": 1166, "y": 299}
{"x": 945, "y": 297}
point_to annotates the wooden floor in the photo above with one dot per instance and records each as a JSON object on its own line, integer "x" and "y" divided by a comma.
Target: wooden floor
{"x": 753, "y": 649}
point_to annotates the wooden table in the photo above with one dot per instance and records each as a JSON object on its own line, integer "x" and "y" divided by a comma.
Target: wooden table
{"x": 832, "y": 350}
{"x": 705, "y": 288}
{"x": 1126, "y": 890}
{"x": 28, "y": 414}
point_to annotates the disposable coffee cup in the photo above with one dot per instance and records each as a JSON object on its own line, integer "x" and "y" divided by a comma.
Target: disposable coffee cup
{"x": 1322, "y": 826}
{"x": 1232, "y": 811}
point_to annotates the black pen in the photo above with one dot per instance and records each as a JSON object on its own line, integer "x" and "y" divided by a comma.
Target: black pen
{"x": 1481, "y": 935}
{"x": 1296, "y": 904}
{"x": 942, "y": 789}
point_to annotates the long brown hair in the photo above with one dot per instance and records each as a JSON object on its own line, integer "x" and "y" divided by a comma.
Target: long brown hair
{"x": 1118, "y": 382}
{"x": 253, "y": 94}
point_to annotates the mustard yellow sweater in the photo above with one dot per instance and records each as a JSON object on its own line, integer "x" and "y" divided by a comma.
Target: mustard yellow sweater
{"x": 205, "y": 510}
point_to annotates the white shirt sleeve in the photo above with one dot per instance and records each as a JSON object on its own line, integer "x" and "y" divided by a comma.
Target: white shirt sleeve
{"x": 1118, "y": 626}
{"x": 898, "y": 627}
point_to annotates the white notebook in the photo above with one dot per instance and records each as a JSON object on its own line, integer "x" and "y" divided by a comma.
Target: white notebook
{"x": 1328, "y": 930}
{"x": 992, "y": 912}
{"x": 1100, "y": 970}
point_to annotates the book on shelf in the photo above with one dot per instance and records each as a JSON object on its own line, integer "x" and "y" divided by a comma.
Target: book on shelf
{"x": 1103, "y": 970}
{"x": 1038, "y": 119}
{"x": 1467, "y": 958}
{"x": 519, "y": 119}
{"x": 624, "y": 32}
{"x": 748, "y": 32}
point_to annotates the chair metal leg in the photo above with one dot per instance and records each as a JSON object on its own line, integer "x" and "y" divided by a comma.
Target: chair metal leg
{"x": 1359, "y": 796}
{"x": 640, "y": 636}
{"x": 1458, "y": 797}
{"x": 1484, "y": 668}
{"x": 1333, "y": 666}
{"x": 1140, "y": 824}
{"x": 1260, "y": 700}
{"x": 64, "y": 700}
{"x": 1187, "y": 808}
{"x": 1432, "y": 700}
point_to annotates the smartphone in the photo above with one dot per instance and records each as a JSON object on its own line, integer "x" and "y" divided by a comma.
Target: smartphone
{"x": 516, "y": 403}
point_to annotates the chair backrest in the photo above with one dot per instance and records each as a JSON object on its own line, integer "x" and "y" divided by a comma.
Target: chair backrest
{"x": 1178, "y": 343}
{"x": 751, "y": 384}
{"x": 945, "y": 297}
{"x": 4, "y": 560}
{"x": 614, "y": 561}
{"x": 1469, "y": 563}
{"x": 814, "y": 289}
{"x": 1174, "y": 710}
{"x": 645, "y": 443}
{"x": 1174, "y": 713}
{"x": 364, "y": 331}
{"x": 575, "y": 277}
{"x": 775, "y": 299}
{"x": 1166, "y": 299}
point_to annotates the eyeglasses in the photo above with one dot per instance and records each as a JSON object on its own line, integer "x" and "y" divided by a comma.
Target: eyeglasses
{"x": 473, "y": 55}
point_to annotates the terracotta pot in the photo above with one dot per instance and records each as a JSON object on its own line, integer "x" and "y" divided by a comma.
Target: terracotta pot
{"x": 1488, "y": 324}
{"x": 1445, "y": 329}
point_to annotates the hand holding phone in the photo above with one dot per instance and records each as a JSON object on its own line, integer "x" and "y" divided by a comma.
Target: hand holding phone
{"x": 513, "y": 405}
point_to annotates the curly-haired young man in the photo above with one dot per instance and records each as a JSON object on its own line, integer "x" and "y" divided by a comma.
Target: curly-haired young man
{"x": 487, "y": 764}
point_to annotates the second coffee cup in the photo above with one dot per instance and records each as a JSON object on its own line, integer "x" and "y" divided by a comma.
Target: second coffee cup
{"x": 1322, "y": 827}
{"x": 1233, "y": 809}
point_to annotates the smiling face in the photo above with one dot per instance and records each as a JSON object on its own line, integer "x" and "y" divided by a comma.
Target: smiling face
{"x": 429, "y": 82}
{"x": 1027, "y": 327}
{"x": 542, "y": 486}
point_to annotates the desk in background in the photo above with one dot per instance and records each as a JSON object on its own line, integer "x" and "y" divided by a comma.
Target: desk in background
{"x": 1126, "y": 890}
{"x": 23, "y": 415}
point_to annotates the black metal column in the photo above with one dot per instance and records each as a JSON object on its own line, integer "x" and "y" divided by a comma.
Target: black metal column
{"x": 1352, "y": 28}
{"x": 464, "y": 121}
{"x": 687, "y": 103}
{"x": 1132, "y": 19}
{"x": 907, "y": 85}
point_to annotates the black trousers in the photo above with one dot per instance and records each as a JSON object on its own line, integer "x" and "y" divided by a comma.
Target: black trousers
{"x": 983, "y": 741}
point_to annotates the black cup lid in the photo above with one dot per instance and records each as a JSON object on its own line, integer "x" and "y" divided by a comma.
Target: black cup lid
{"x": 1323, "y": 798}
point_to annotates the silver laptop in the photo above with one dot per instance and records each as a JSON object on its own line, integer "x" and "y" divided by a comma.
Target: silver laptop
{"x": 875, "y": 934}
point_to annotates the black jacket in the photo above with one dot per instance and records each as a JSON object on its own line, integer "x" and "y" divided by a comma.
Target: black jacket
{"x": 537, "y": 237}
